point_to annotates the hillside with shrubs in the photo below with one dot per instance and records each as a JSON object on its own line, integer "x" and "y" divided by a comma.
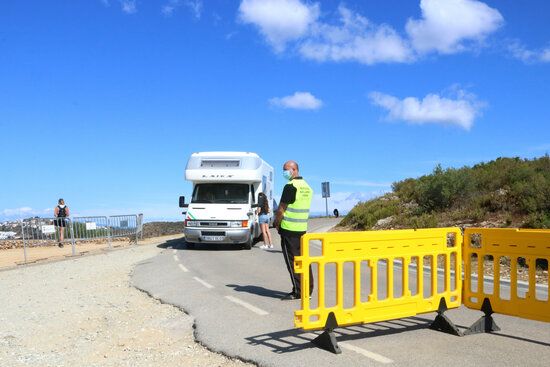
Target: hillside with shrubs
{"x": 506, "y": 192}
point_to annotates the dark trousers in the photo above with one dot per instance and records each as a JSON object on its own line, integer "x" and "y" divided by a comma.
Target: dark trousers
{"x": 291, "y": 248}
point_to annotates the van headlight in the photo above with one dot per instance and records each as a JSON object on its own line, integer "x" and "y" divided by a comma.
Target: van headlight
{"x": 239, "y": 224}
{"x": 191, "y": 223}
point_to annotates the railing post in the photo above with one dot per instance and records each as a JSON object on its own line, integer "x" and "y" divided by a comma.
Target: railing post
{"x": 137, "y": 229}
{"x": 109, "y": 232}
{"x": 73, "y": 244}
{"x": 24, "y": 241}
{"x": 141, "y": 226}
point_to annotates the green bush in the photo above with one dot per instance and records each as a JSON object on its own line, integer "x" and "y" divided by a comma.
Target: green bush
{"x": 506, "y": 185}
{"x": 365, "y": 215}
{"x": 537, "y": 220}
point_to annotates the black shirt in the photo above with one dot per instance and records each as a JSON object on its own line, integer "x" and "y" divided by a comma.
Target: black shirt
{"x": 289, "y": 197}
{"x": 261, "y": 204}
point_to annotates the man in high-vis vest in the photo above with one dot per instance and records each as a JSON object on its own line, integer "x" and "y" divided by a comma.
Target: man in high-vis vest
{"x": 291, "y": 221}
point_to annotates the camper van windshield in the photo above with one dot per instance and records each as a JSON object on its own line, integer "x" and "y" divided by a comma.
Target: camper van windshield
{"x": 220, "y": 193}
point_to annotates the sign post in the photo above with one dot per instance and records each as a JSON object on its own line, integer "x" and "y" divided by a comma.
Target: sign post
{"x": 326, "y": 193}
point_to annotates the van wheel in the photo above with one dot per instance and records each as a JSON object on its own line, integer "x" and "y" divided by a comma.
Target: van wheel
{"x": 248, "y": 244}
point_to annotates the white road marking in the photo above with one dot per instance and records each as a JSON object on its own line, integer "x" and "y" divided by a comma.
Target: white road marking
{"x": 247, "y": 305}
{"x": 176, "y": 258}
{"x": 183, "y": 268}
{"x": 207, "y": 285}
{"x": 175, "y": 251}
{"x": 363, "y": 352}
{"x": 374, "y": 356}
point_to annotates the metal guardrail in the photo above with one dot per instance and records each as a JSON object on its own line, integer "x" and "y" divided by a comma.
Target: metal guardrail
{"x": 37, "y": 232}
{"x": 45, "y": 231}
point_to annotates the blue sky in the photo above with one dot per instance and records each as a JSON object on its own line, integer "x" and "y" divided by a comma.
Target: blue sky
{"x": 103, "y": 101}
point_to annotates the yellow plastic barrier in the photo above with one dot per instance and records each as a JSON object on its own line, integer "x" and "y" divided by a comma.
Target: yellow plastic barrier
{"x": 483, "y": 251}
{"x": 394, "y": 251}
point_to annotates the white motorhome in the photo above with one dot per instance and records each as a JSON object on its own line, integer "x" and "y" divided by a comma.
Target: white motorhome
{"x": 225, "y": 196}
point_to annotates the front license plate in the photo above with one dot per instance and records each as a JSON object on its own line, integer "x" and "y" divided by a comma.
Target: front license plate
{"x": 214, "y": 238}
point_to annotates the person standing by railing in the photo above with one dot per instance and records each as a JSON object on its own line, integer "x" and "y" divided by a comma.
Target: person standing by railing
{"x": 61, "y": 212}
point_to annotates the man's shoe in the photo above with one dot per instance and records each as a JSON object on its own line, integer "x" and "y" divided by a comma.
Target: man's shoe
{"x": 60, "y": 245}
{"x": 290, "y": 296}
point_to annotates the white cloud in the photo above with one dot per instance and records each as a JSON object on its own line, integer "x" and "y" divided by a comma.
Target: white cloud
{"x": 519, "y": 51}
{"x": 280, "y": 21}
{"x": 23, "y": 212}
{"x": 433, "y": 108}
{"x": 230, "y": 35}
{"x": 343, "y": 201}
{"x": 128, "y": 6}
{"x": 195, "y": 6}
{"x": 299, "y": 101}
{"x": 355, "y": 39}
{"x": 169, "y": 8}
{"x": 446, "y": 25}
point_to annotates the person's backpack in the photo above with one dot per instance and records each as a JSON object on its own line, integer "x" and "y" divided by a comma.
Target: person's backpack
{"x": 62, "y": 211}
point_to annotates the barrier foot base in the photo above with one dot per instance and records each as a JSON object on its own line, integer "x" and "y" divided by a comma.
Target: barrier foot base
{"x": 327, "y": 340}
{"x": 442, "y": 322}
{"x": 486, "y": 323}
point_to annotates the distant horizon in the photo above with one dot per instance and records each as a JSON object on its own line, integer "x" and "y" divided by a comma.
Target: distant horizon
{"x": 318, "y": 203}
{"x": 314, "y": 214}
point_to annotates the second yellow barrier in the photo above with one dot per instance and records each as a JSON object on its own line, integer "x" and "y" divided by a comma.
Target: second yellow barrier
{"x": 500, "y": 265}
{"x": 394, "y": 273}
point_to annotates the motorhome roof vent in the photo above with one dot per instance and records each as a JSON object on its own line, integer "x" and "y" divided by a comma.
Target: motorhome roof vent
{"x": 220, "y": 163}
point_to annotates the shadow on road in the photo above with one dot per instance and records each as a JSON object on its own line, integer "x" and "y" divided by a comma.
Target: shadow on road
{"x": 181, "y": 244}
{"x": 522, "y": 339}
{"x": 293, "y": 340}
{"x": 175, "y": 243}
{"x": 260, "y": 291}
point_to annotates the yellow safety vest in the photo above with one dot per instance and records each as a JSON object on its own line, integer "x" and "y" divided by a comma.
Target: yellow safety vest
{"x": 297, "y": 213}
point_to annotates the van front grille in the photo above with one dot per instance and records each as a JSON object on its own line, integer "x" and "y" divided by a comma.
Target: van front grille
{"x": 212, "y": 233}
{"x": 213, "y": 224}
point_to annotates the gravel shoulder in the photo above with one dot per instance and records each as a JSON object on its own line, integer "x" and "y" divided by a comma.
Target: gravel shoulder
{"x": 83, "y": 311}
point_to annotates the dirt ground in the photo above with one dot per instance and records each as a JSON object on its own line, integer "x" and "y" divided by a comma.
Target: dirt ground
{"x": 12, "y": 257}
{"x": 83, "y": 312}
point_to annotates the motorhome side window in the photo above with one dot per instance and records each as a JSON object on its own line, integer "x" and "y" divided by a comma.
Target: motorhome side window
{"x": 220, "y": 193}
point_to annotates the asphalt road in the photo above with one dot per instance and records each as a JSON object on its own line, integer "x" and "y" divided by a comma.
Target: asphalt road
{"x": 234, "y": 296}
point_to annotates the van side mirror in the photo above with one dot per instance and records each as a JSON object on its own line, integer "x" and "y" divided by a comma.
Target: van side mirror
{"x": 182, "y": 202}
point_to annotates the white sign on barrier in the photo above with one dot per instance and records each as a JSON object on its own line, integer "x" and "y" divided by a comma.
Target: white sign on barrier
{"x": 91, "y": 226}
{"x": 48, "y": 229}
